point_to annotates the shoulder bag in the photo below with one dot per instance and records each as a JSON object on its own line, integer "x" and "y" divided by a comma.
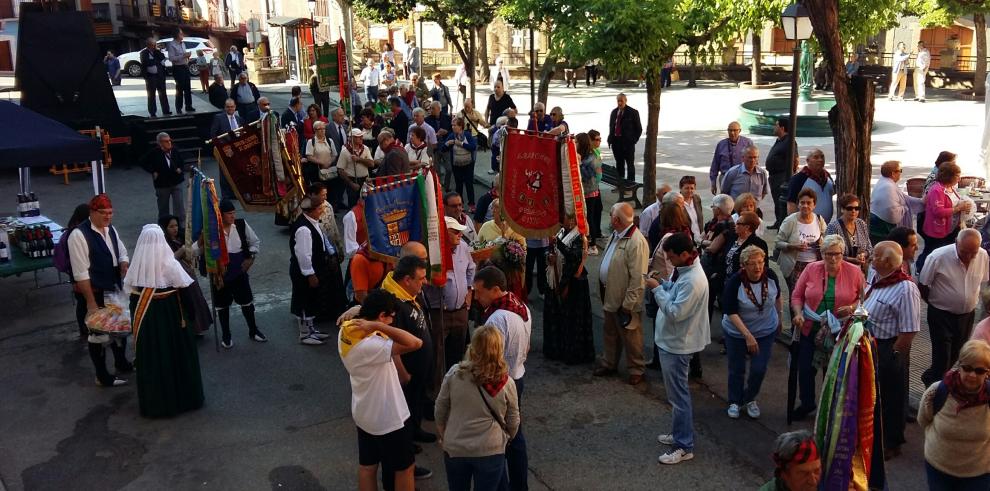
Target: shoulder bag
{"x": 495, "y": 416}
{"x": 482, "y": 138}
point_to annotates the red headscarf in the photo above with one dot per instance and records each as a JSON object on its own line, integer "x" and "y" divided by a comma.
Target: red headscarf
{"x": 100, "y": 202}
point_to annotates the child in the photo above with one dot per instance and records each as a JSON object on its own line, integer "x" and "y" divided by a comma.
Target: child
{"x": 367, "y": 346}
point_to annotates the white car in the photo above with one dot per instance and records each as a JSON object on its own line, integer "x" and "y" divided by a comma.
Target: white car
{"x": 131, "y": 62}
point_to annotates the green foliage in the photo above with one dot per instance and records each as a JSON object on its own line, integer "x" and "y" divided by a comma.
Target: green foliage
{"x": 384, "y": 11}
{"x": 460, "y": 14}
{"x": 861, "y": 19}
{"x": 957, "y": 8}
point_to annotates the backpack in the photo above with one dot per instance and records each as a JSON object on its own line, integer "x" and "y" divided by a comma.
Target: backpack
{"x": 942, "y": 394}
{"x": 61, "y": 258}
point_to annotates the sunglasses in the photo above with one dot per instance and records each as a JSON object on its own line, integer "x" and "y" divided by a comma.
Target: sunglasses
{"x": 852, "y": 208}
{"x": 976, "y": 370}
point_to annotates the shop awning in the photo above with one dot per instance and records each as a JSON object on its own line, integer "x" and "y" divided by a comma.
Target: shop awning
{"x": 285, "y": 21}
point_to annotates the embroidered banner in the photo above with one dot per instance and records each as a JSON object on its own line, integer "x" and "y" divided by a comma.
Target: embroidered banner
{"x": 531, "y": 191}
{"x": 570, "y": 173}
{"x": 258, "y": 166}
{"x": 343, "y": 77}
{"x": 392, "y": 212}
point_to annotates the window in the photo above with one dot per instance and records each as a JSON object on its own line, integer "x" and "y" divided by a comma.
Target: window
{"x": 190, "y": 44}
{"x": 519, "y": 37}
{"x": 101, "y": 12}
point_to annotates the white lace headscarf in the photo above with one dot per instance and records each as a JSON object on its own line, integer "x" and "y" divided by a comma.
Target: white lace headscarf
{"x": 153, "y": 264}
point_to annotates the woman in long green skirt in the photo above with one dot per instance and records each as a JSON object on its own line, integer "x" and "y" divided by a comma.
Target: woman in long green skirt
{"x": 168, "y": 376}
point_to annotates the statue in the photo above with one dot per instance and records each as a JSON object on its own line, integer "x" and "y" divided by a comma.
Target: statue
{"x": 807, "y": 73}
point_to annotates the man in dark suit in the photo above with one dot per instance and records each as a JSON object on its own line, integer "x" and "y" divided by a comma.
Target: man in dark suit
{"x": 291, "y": 116}
{"x": 399, "y": 122}
{"x": 218, "y": 92}
{"x": 226, "y": 122}
{"x": 234, "y": 62}
{"x": 624, "y": 130}
{"x": 337, "y": 130}
{"x": 153, "y": 69}
{"x": 166, "y": 167}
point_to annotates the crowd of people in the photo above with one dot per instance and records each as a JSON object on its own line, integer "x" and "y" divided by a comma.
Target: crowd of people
{"x": 411, "y": 352}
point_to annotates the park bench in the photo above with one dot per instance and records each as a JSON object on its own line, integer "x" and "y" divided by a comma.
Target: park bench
{"x": 611, "y": 176}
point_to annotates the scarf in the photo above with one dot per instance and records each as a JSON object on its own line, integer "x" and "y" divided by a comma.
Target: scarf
{"x": 821, "y": 177}
{"x": 390, "y": 285}
{"x": 764, "y": 281}
{"x": 494, "y": 389}
{"x": 355, "y": 150}
{"x": 953, "y": 381}
{"x": 892, "y": 279}
{"x": 419, "y": 151}
{"x": 509, "y": 302}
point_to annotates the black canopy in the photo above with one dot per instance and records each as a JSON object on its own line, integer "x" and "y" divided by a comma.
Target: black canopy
{"x": 29, "y": 139}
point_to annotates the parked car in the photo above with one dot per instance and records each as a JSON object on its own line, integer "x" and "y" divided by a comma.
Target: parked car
{"x": 131, "y": 62}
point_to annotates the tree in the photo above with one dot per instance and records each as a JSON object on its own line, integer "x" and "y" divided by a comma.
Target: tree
{"x": 752, "y": 15}
{"x": 978, "y": 9}
{"x": 545, "y": 15}
{"x": 384, "y": 11}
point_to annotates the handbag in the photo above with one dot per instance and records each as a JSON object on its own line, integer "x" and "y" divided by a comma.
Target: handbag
{"x": 495, "y": 416}
{"x": 481, "y": 137}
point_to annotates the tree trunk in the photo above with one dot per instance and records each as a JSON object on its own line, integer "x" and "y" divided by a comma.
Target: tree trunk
{"x": 692, "y": 80}
{"x": 980, "y": 72}
{"x": 852, "y": 117}
{"x": 757, "y": 75}
{"x": 546, "y": 75}
{"x": 472, "y": 48}
{"x": 652, "y": 131}
{"x": 483, "y": 55}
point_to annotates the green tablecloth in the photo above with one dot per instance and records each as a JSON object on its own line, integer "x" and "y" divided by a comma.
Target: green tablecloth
{"x": 19, "y": 263}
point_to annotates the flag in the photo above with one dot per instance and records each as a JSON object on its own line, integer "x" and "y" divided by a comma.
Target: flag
{"x": 531, "y": 193}
{"x": 196, "y": 194}
{"x": 214, "y": 244}
{"x": 344, "y": 76}
{"x": 440, "y": 256}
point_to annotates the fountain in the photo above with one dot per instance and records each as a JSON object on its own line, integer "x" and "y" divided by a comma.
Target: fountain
{"x": 759, "y": 116}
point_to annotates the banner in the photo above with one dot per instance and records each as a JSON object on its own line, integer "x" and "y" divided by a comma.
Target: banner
{"x": 573, "y": 191}
{"x": 257, "y": 164}
{"x": 440, "y": 255}
{"x": 393, "y": 215}
{"x": 327, "y": 69}
{"x": 344, "y": 77}
{"x": 214, "y": 245}
{"x": 531, "y": 192}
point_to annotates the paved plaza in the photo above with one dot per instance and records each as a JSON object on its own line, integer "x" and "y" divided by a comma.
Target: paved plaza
{"x": 277, "y": 415}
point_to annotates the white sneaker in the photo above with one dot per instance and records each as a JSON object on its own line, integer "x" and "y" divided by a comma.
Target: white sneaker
{"x": 310, "y": 341}
{"x": 665, "y": 438}
{"x": 675, "y": 457}
{"x": 733, "y": 411}
{"x": 752, "y": 410}
{"x": 319, "y": 335}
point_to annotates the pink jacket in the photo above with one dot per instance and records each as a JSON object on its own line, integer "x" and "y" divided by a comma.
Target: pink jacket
{"x": 938, "y": 212}
{"x": 810, "y": 288}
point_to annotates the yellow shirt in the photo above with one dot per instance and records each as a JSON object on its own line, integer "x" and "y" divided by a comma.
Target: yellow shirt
{"x": 490, "y": 231}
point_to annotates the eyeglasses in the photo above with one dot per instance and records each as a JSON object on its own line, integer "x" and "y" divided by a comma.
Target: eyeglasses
{"x": 976, "y": 370}
{"x": 833, "y": 254}
{"x": 852, "y": 208}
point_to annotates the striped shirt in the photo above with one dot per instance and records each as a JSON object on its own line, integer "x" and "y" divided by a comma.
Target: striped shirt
{"x": 894, "y": 309}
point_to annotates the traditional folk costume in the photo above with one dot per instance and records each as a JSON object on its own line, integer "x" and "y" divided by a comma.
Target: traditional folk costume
{"x": 313, "y": 253}
{"x": 168, "y": 376}
{"x": 242, "y": 243}
{"x": 567, "y": 330}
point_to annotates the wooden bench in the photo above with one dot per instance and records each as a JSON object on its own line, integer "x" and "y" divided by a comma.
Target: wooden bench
{"x": 611, "y": 176}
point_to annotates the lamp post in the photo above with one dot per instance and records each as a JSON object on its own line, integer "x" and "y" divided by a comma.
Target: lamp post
{"x": 797, "y": 28}
{"x": 532, "y": 64}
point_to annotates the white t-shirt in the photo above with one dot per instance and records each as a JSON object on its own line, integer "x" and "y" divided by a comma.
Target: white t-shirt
{"x": 377, "y": 403}
{"x": 809, "y": 234}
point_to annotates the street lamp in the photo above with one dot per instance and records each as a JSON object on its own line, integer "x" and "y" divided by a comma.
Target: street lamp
{"x": 797, "y": 27}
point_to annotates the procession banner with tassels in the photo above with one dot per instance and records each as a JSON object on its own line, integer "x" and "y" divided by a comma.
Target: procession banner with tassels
{"x": 250, "y": 175}
{"x": 393, "y": 214}
{"x": 344, "y": 77}
{"x": 440, "y": 255}
{"x": 573, "y": 191}
{"x": 531, "y": 191}
{"x": 214, "y": 245}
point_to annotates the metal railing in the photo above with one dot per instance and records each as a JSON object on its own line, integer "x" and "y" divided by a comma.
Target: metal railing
{"x": 267, "y": 62}
{"x": 720, "y": 58}
{"x": 440, "y": 58}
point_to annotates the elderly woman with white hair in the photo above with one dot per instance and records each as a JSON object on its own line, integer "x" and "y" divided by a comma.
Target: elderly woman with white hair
{"x": 713, "y": 238}
{"x": 321, "y": 152}
{"x": 168, "y": 376}
{"x": 752, "y": 307}
{"x": 826, "y": 293}
{"x": 955, "y": 414}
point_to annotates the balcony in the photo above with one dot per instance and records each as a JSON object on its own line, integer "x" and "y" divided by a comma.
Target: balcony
{"x": 153, "y": 12}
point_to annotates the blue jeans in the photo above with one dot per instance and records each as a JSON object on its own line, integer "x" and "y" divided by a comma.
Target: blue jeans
{"x": 736, "y": 349}
{"x": 372, "y": 93}
{"x": 515, "y": 454}
{"x": 940, "y": 481}
{"x": 488, "y": 473}
{"x": 675, "y": 382}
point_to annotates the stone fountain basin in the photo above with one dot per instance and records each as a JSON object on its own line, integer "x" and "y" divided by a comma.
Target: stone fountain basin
{"x": 759, "y": 116}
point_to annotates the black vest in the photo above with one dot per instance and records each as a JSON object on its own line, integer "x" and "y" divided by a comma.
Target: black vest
{"x": 320, "y": 256}
{"x": 103, "y": 275}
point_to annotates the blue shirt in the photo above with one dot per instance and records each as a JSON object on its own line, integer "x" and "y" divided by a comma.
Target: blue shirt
{"x": 727, "y": 154}
{"x": 735, "y": 301}
{"x": 738, "y": 181}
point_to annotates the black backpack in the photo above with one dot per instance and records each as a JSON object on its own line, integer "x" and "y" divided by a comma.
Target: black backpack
{"x": 942, "y": 394}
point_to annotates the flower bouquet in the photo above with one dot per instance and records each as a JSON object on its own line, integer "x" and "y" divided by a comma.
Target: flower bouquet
{"x": 482, "y": 250}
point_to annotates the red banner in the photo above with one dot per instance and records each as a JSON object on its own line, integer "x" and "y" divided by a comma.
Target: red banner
{"x": 531, "y": 192}
{"x": 344, "y": 76}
